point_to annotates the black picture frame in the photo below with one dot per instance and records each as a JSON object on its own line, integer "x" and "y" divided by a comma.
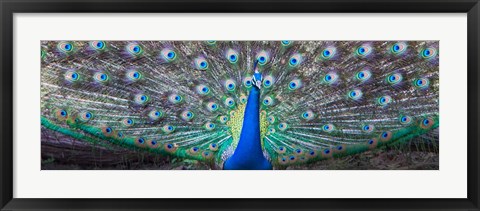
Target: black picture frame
{"x": 9, "y": 7}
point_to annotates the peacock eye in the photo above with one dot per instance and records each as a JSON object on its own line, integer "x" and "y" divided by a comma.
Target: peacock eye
{"x": 328, "y": 128}
{"x": 339, "y": 148}
{"x": 65, "y": 47}
{"x": 355, "y": 94}
{"x": 120, "y": 135}
{"x": 97, "y": 45}
{"x": 363, "y": 75}
{"x": 308, "y": 115}
{"x": 108, "y": 129}
{"x": 134, "y": 75}
{"x": 229, "y": 102}
{"x": 271, "y": 119}
{"x": 429, "y": 53}
{"x": 153, "y": 143}
{"x": 282, "y": 126}
{"x": 211, "y": 106}
{"x": 232, "y": 56}
{"x": 209, "y": 126}
{"x": 230, "y": 85}
{"x": 247, "y": 81}
{"x": 223, "y": 119}
{"x": 267, "y": 101}
{"x": 72, "y": 76}
{"x": 175, "y": 98}
{"x": 329, "y": 52}
{"x": 141, "y": 99}
{"x": 168, "y": 129}
{"x": 187, "y": 115}
{"x": 426, "y": 123}
{"x": 141, "y": 140}
{"x": 100, "y": 77}
{"x": 326, "y": 151}
{"x": 127, "y": 122}
{"x": 268, "y": 81}
{"x": 134, "y": 49}
{"x": 295, "y": 60}
{"x": 63, "y": 113}
{"x": 243, "y": 99}
{"x": 330, "y": 78}
{"x": 154, "y": 115}
{"x": 370, "y": 141}
{"x": 405, "y": 120}
{"x": 394, "y": 78}
{"x": 421, "y": 83}
{"x": 364, "y": 50}
{"x": 286, "y": 42}
{"x": 262, "y": 57}
{"x": 85, "y": 116}
{"x": 202, "y": 89}
{"x": 272, "y": 130}
{"x": 168, "y": 55}
{"x": 399, "y": 48}
{"x": 201, "y": 63}
{"x": 294, "y": 84}
{"x": 368, "y": 128}
{"x": 384, "y": 100}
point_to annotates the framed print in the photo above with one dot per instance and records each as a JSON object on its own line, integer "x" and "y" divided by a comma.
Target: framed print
{"x": 239, "y": 105}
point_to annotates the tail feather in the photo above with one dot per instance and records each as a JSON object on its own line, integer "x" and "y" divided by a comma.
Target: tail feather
{"x": 318, "y": 99}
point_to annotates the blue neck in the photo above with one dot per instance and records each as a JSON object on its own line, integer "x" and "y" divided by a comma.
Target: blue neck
{"x": 249, "y": 155}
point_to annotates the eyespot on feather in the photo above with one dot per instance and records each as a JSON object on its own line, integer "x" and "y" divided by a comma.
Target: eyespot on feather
{"x": 372, "y": 143}
{"x": 385, "y": 136}
{"x": 171, "y": 148}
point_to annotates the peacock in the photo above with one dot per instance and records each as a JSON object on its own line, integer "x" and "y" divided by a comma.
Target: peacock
{"x": 241, "y": 105}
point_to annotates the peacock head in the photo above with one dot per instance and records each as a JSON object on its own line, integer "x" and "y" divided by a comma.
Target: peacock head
{"x": 257, "y": 76}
